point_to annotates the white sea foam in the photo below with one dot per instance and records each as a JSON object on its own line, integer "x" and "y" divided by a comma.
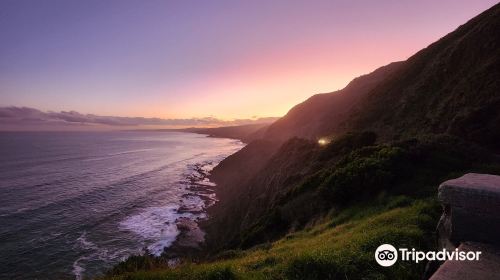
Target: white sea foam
{"x": 78, "y": 269}
{"x": 84, "y": 243}
{"x": 156, "y": 225}
{"x": 92, "y": 252}
{"x": 194, "y": 203}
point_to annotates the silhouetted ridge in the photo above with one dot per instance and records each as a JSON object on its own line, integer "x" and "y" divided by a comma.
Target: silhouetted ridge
{"x": 449, "y": 87}
{"x": 321, "y": 113}
{"x": 452, "y": 86}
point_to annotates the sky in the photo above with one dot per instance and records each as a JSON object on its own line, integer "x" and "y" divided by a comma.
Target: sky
{"x": 205, "y": 59}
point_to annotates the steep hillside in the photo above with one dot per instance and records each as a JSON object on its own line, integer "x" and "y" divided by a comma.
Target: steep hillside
{"x": 240, "y": 167}
{"x": 322, "y": 113}
{"x": 249, "y": 199}
{"x": 245, "y": 133}
{"x": 452, "y": 86}
{"x": 302, "y": 182}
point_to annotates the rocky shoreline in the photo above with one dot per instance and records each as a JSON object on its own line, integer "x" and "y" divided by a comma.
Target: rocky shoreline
{"x": 199, "y": 197}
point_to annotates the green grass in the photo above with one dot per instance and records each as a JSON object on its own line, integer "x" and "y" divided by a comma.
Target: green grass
{"x": 341, "y": 246}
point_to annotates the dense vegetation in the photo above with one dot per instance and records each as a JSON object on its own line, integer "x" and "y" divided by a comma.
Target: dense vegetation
{"x": 387, "y": 195}
{"x": 351, "y": 170}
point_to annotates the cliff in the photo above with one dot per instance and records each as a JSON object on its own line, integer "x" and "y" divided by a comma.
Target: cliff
{"x": 323, "y": 113}
{"x": 245, "y": 133}
{"x": 450, "y": 88}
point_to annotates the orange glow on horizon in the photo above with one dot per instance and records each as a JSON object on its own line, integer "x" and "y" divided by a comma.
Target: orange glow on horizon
{"x": 226, "y": 60}
{"x": 270, "y": 84}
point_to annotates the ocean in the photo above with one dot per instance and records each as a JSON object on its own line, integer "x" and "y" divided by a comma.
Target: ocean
{"x": 72, "y": 204}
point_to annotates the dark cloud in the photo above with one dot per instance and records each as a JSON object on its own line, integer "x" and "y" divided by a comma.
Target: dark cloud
{"x": 19, "y": 118}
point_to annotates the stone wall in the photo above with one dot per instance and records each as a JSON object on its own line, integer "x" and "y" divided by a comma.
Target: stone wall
{"x": 470, "y": 222}
{"x": 471, "y": 210}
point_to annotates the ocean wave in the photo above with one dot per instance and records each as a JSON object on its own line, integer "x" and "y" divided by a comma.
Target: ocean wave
{"x": 98, "y": 191}
{"x": 91, "y": 252}
{"x": 84, "y": 212}
{"x": 84, "y": 243}
{"x": 108, "y": 156}
{"x": 156, "y": 225}
{"x": 78, "y": 269}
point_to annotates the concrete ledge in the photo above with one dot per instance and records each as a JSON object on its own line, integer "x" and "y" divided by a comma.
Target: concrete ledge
{"x": 472, "y": 191}
{"x": 488, "y": 266}
{"x": 471, "y": 210}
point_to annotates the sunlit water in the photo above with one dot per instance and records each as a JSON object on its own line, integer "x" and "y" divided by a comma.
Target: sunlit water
{"x": 72, "y": 204}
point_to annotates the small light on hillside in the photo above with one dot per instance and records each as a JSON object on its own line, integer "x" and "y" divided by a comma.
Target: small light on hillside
{"x": 323, "y": 141}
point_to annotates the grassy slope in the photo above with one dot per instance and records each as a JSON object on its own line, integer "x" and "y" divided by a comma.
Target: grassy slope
{"x": 302, "y": 183}
{"x": 398, "y": 182}
{"x": 337, "y": 247}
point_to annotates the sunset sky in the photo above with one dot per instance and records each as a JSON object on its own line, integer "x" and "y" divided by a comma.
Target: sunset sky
{"x": 184, "y": 59}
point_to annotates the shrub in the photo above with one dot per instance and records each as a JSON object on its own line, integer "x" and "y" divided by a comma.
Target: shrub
{"x": 347, "y": 143}
{"x": 359, "y": 175}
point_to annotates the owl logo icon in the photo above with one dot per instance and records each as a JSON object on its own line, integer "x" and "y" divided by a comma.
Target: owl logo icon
{"x": 386, "y": 255}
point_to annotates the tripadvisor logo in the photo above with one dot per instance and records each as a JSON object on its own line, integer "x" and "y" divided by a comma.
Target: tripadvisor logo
{"x": 387, "y": 255}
